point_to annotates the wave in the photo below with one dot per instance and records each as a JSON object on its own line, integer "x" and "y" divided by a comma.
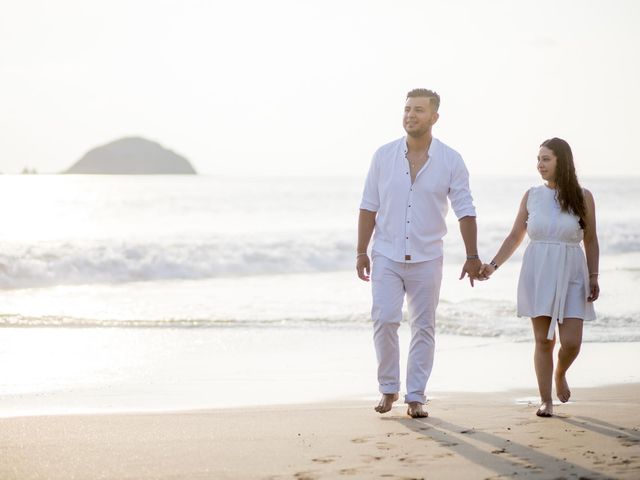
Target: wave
{"x": 10, "y": 320}
{"x": 115, "y": 261}
{"x": 605, "y": 329}
{"x": 120, "y": 262}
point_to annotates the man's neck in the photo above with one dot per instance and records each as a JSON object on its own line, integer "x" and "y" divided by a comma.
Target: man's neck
{"x": 420, "y": 143}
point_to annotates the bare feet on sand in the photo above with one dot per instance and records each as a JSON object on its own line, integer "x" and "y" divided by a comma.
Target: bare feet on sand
{"x": 546, "y": 409}
{"x": 386, "y": 402}
{"x": 562, "y": 388}
{"x": 415, "y": 410}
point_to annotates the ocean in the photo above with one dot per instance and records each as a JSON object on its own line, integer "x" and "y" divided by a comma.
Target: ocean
{"x": 111, "y": 280}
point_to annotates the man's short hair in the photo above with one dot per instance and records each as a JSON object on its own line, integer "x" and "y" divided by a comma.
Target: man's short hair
{"x": 433, "y": 97}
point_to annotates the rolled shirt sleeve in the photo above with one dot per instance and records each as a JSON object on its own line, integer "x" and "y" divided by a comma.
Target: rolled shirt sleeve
{"x": 459, "y": 191}
{"x": 371, "y": 196}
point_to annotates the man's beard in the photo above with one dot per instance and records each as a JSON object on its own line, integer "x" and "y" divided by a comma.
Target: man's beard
{"x": 416, "y": 133}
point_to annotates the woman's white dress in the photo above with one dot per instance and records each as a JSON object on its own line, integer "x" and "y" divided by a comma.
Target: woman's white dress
{"x": 554, "y": 279}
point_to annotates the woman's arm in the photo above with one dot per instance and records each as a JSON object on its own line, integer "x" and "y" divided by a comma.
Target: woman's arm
{"x": 591, "y": 246}
{"x": 513, "y": 240}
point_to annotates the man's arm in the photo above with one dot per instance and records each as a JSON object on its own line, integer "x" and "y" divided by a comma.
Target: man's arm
{"x": 469, "y": 231}
{"x": 462, "y": 204}
{"x": 366, "y": 224}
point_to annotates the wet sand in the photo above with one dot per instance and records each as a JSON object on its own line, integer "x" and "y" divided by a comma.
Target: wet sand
{"x": 468, "y": 435}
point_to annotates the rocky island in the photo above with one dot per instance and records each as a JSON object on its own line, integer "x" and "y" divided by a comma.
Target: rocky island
{"x": 132, "y": 156}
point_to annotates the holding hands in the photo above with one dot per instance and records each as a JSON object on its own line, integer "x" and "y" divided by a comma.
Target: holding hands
{"x": 487, "y": 270}
{"x": 471, "y": 268}
{"x": 476, "y": 270}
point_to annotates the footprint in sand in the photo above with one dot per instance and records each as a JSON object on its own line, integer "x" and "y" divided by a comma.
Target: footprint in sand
{"x": 327, "y": 459}
{"x": 348, "y": 471}
{"x": 305, "y": 476}
{"x": 407, "y": 460}
{"x": 525, "y": 422}
{"x": 371, "y": 458}
{"x": 443, "y": 455}
{"x": 628, "y": 441}
{"x": 390, "y": 475}
{"x": 360, "y": 440}
{"x": 448, "y": 444}
{"x": 384, "y": 446}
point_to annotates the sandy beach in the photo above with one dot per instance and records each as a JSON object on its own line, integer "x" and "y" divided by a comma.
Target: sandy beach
{"x": 468, "y": 435}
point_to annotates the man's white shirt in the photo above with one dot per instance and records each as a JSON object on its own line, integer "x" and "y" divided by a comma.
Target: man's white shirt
{"x": 410, "y": 220}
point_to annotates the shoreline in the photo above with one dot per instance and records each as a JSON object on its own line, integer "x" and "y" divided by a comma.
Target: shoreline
{"x": 468, "y": 435}
{"x": 517, "y": 396}
{"x": 152, "y": 371}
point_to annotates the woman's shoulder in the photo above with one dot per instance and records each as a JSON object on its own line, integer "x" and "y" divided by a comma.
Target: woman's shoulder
{"x": 541, "y": 188}
{"x": 533, "y": 190}
{"x": 588, "y": 198}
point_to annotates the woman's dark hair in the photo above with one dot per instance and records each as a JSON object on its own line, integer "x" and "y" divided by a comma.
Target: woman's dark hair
{"x": 569, "y": 194}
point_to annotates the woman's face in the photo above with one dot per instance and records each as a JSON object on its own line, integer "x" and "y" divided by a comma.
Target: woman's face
{"x": 547, "y": 164}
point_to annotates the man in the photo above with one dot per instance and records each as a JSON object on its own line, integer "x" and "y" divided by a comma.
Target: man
{"x": 405, "y": 202}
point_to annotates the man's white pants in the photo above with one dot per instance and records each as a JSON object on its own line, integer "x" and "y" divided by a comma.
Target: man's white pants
{"x": 389, "y": 282}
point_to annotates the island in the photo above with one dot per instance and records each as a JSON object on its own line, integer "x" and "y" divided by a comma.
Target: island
{"x": 132, "y": 156}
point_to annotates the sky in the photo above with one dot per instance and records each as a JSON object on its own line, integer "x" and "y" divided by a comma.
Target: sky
{"x": 301, "y": 87}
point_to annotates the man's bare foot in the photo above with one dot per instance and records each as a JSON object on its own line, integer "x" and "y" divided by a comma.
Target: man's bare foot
{"x": 415, "y": 410}
{"x": 562, "y": 389}
{"x": 546, "y": 409}
{"x": 386, "y": 402}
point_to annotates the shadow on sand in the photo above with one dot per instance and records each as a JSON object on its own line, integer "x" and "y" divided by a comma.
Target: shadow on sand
{"x": 505, "y": 457}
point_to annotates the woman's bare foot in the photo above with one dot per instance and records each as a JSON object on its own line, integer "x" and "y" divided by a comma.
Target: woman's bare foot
{"x": 415, "y": 410}
{"x": 546, "y": 409}
{"x": 562, "y": 388}
{"x": 386, "y": 402}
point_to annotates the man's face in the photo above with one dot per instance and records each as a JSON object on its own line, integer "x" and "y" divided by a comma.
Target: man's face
{"x": 419, "y": 116}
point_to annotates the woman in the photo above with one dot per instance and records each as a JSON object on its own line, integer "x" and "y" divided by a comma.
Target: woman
{"x": 556, "y": 284}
